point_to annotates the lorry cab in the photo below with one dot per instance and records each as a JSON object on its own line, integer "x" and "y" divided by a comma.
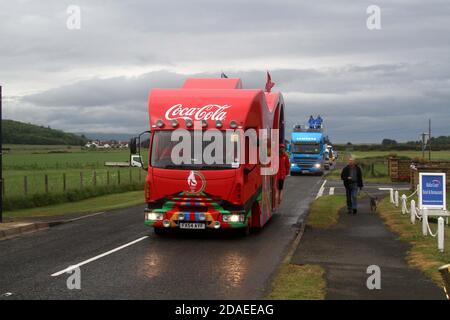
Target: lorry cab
{"x": 200, "y": 175}
{"x": 307, "y": 150}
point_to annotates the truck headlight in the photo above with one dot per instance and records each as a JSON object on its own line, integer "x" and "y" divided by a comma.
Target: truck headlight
{"x": 154, "y": 216}
{"x": 317, "y": 165}
{"x": 234, "y": 218}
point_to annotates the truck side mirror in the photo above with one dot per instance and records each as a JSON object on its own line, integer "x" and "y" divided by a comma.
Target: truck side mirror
{"x": 133, "y": 146}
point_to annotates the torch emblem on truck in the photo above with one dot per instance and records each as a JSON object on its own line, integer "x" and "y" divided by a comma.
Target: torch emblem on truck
{"x": 194, "y": 185}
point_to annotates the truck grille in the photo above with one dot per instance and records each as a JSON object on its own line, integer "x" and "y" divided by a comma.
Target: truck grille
{"x": 305, "y": 162}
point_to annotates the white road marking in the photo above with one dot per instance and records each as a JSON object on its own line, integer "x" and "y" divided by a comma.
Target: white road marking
{"x": 331, "y": 191}
{"x": 87, "y": 216}
{"x": 70, "y": 268}
{"x": 322, "y": 187}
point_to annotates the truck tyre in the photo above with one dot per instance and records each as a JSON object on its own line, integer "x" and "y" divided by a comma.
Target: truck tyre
{"x": 161, "y": 231}
{"x": 243, "y": 232}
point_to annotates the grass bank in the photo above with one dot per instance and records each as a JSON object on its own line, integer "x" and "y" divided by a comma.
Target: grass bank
{"x": 295, "y": 282}
{"x": 71, "y": 196}
{"x": 324, "y": 212}
{"x": 424, "y": 254}
{"x": 307, "y": 282}
{"x": 103, "y": 203}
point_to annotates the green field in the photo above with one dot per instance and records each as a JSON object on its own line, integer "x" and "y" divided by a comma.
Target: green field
{"x": 435, "y": 155}
{"x": 374, "y": 164}
{"x": 29, "y": 171}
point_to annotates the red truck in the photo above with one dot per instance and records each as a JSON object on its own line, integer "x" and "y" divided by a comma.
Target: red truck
{"x": 195, "y": 193}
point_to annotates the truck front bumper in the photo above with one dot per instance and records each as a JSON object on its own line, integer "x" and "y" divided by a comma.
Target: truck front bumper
{"x": 298, "y": 169}
{"x": 211, "y": 220}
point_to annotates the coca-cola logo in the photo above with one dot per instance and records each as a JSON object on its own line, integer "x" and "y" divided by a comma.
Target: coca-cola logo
{"x": 207, "y": 112}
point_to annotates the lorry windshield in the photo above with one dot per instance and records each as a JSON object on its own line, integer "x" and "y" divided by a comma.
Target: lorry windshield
{"x": 162, "y": 147}
{"x": 305, "y": 148}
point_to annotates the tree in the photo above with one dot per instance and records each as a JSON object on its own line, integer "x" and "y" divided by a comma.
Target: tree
{"x": 388, "y": 142}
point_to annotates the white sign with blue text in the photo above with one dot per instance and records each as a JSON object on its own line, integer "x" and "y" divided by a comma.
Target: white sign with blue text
{"x": 432, "y": 191}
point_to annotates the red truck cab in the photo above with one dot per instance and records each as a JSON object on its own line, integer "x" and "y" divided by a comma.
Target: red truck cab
{"x": 197, "y": 194}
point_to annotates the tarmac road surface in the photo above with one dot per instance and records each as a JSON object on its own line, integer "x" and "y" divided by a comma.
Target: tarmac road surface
{"x": 120, "y": 258}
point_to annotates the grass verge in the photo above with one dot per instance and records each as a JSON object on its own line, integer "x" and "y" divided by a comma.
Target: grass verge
{"x": 103, "y": 203}
{"x": 295, "y": 282}
{"x": 424, "y": 254}
{"x": 324, "y": 212}
{"x": 47, "y": 199}
{"x": 307, "y": 282}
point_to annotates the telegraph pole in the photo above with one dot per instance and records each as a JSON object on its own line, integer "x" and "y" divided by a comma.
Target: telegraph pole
{"x": 423, "y": 145}
{"x": 429, "y": 139}
{"x": 1, "y": 157}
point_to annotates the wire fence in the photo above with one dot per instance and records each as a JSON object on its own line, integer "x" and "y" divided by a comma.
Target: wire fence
{"x": 61, "y": 181}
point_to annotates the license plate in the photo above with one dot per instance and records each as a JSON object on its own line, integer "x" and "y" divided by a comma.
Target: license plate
{"x": 192, "y": 225}
{"x": 305, "y": 171}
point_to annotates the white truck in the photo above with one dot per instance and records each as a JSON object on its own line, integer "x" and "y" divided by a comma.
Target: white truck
{"x": 135, "y": 161}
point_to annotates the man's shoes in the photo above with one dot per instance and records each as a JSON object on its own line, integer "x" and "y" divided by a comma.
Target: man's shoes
{"x": 355, "y": 211}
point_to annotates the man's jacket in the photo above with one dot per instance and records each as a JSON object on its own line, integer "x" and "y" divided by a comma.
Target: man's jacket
{"x": 346, "y": 173}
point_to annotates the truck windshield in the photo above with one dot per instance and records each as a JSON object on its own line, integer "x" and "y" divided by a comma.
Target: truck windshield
{"x": 162, "y": 147}
{"x": 305, "y": 148}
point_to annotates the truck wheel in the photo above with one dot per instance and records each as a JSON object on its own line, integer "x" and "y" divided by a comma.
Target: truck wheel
{"x": 243, "y": 232}
{"x": 161, "y": 231}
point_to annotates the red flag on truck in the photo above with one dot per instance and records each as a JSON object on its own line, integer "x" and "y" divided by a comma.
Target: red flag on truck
{"x": 269, "y": 83}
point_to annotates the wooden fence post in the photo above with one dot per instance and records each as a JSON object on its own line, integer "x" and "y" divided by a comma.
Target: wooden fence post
{"x": 131, "y": 176}
{"x": 25, "y": 185}
{"x": 118, "y": 177}
{"x": 46, "y": 183}
{"x": 107, "y": 177}
{"x": 64, "y": 182}
{"x": 81, "y": 179}
{"x": 95, "y": 178}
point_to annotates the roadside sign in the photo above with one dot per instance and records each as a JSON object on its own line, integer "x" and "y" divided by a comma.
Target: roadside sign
{"x": 432, "y": 193}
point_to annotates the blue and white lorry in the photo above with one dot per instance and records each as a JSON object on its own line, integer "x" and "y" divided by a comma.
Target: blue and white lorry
{"x": 307, "y": 149}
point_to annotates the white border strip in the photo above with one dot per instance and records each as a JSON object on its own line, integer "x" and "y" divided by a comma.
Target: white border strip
{"x": 322, "y": 188}
{"x": 70, "y": 268}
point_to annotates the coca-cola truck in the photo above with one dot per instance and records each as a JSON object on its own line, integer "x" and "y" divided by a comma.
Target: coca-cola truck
{"x": 191, "y": 186}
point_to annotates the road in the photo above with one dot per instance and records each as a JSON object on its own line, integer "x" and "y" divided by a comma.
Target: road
{"x": 120, "y": 258}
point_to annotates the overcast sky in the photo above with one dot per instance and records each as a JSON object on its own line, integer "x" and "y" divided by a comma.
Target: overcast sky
{"x": 366, "y": 84}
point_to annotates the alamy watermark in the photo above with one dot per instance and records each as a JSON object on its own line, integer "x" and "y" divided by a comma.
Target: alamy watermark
{"x": 73, "y": 21}
{"x": 373, "y": 282}
{"x": 214, "y": 148}
{"x": 74, "y": 280}
{"x": 373, "y": 21}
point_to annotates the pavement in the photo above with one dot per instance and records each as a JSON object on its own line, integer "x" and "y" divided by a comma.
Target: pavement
{"x": 358, "y": 241}
{"x": 120, "y": 258}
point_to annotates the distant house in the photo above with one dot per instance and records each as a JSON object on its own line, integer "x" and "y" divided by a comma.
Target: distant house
{"x": 97, "y": 144}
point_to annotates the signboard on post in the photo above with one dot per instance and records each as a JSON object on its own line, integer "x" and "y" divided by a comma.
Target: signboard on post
{"x": 432, "y": 193}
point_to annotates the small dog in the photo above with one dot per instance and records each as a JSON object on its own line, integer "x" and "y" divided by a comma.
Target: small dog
{"x": 373, "y": 203}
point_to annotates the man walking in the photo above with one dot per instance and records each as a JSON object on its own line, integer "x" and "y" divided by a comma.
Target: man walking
{"x": 284, "y": 168}
{"x": 351, "y": 175}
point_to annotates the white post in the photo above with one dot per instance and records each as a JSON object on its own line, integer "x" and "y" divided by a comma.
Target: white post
{"x": 440, "y": 235}
{"x": 404, "y": 205}
{"x": 413, "y": 211}
{"x": 391, "y": 194}
{"x": 396, "y": 198}
{"x": 424, "y": 222}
